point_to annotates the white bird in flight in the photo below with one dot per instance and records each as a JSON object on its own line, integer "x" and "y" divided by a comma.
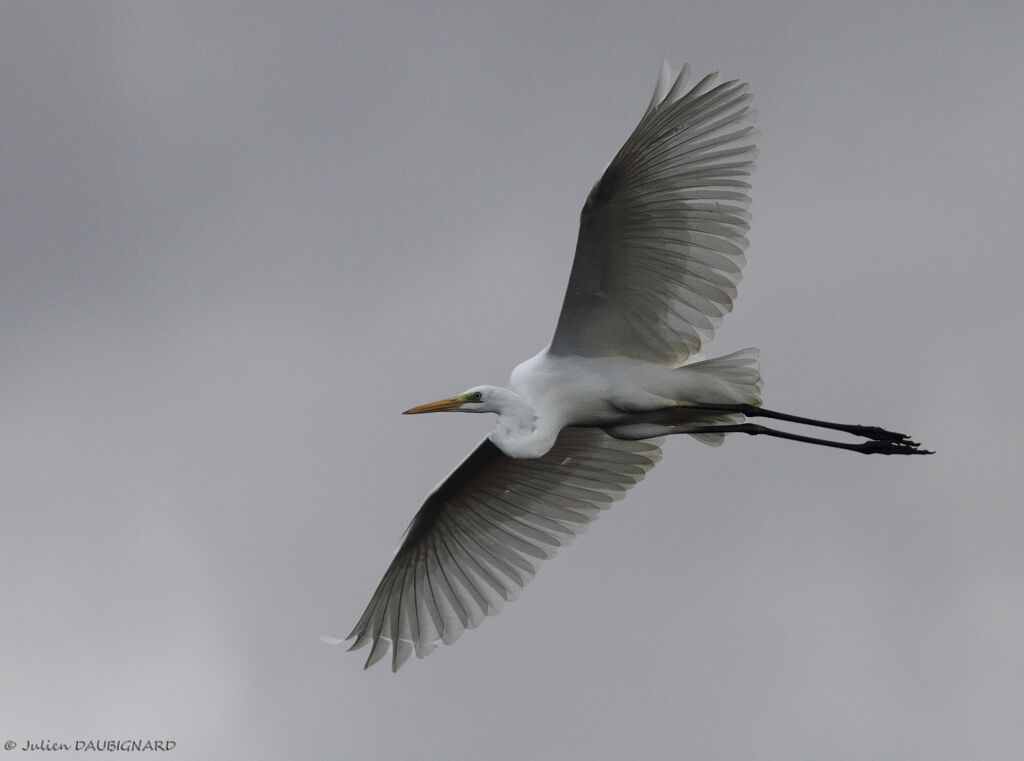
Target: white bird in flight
{"x": 658, "y": 259}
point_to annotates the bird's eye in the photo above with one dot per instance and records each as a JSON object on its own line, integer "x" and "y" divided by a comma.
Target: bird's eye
{"x": 476, "y": 396}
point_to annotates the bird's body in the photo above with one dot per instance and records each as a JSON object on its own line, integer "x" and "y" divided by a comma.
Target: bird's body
{"x": 549, "y": 392}
{"x": 659, "y": 256}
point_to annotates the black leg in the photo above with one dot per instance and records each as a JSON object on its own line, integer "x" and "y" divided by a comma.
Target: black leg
{"x": 871, "y": 446}
{"x": 750, "y": 410}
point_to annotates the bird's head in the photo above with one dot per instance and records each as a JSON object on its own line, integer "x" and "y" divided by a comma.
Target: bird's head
{"x": 477, "y": 399}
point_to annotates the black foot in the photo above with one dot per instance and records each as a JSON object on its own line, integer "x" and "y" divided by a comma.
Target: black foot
{"x": 891, "y": 446}
{"x": 878, "y": 434}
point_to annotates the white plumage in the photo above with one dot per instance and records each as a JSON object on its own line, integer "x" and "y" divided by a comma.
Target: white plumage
{"x": 660, "y": 253}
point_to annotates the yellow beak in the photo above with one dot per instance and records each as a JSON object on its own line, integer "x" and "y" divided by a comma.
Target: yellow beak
{"x": 442, "y": 405}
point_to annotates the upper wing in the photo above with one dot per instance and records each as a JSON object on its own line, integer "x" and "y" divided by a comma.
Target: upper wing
{"x": 480, "y": 536}
{"x": 662, "y": 234}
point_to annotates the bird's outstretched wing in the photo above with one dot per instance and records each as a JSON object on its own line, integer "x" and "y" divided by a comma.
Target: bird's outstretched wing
{"x": 662, "y": 234}
{"x": 480, "y": 536}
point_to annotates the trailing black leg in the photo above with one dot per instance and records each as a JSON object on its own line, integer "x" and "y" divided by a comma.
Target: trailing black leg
{"x": 871, "y": 446}
{"x": 750, "y": 410}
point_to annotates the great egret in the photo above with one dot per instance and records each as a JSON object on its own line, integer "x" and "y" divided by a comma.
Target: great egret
{"x": 659, "y": 256}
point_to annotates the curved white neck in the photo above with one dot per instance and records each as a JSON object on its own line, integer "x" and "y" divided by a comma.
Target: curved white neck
{"x": 519, "y": 432}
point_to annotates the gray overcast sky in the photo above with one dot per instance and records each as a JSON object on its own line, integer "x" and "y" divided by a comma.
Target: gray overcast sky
{"x": 238, "y": 239}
